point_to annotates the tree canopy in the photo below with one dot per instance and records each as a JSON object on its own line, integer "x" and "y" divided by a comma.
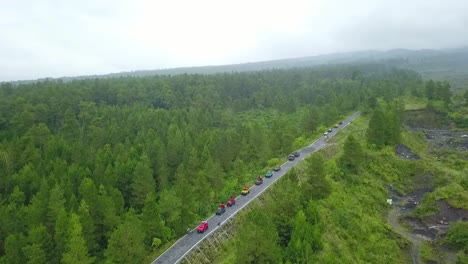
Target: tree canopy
{"x": 93, "y": 161}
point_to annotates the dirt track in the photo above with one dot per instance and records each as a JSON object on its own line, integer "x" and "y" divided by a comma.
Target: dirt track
{"x": 416, "y": 240}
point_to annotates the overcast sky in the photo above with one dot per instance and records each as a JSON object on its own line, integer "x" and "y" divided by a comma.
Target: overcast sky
{"x": 55, "y": 38}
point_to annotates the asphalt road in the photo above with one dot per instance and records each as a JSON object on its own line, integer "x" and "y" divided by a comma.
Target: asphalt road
{"x": 183, "y": 246}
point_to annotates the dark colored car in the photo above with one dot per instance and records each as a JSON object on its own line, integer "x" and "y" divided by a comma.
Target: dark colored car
{"x": 259, "y": 180}
{"x": 296, "y": 154}
{"x": 291, "y": 157}
{"x": 220, "y": 210}
{"x": 202, "y": 227}
{"x": 341, "y": 122}
{"x": 269, "y": 174}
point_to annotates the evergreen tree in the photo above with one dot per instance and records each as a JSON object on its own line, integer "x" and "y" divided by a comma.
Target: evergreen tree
{"x": 39, "y": 247}
{"x": 353, "y": 156}
{"x": 184, "y": 191}
{"x": 142, "y": 183}
{"x": 152, "y": 222}
{"x": 300, "y": 247}
{"x": 430, "y": 89}
{"x": 316, "y": 185}
{"x": 13, "y": 249}
{"x": 376, "y": 132}
{"x": 76, "y": 251}
{"x": 87, "y": 224}
{"x": 262, "y": 239}
{"x": 61, "y": 235}
{"x": 130, "y": 236}
{"x": 55, "y": 206}
{"x": 35, "y": 254}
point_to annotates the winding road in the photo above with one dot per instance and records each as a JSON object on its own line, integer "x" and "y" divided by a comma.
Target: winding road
{"x": 184, "y": 245}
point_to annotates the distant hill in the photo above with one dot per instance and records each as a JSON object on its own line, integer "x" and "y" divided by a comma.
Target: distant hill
{"x": 449, "y": 64}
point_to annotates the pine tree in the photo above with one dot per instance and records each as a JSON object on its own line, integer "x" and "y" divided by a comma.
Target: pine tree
{"x": 262, "y": 247}
{"x": 129, "y": 236}
{"x": 40, "y": 245}
{"x": 55, "y": 206}
{"x": 376, "y": 132}
{"x": 184, "y": 191}
{"x": 353, "y": 156}
{"x": 300, "y": 246}
{"x": 430, "y": 89}
{"x": 13, "y": 249}
{"x": 142, "y": 183}
{"x": 76, "y": 251}
{"x": 316, "y": 185}
{"x": 88, "y": 226}
{"x": 152, "y": 222}
{"x": 35, "y": 254}
{"x": 62, "y": 225}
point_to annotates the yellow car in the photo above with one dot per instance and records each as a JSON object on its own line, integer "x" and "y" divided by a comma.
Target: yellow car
{"x": 245, "y": 190}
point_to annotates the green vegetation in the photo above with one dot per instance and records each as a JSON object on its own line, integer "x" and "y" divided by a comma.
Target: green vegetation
{"x": 458, "y": 235}
{"x": 346, "y": 223}
{"x": 115, "y": 170}
{"x": 343, "y": 224}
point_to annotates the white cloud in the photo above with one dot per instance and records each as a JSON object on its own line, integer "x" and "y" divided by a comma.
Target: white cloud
{"x": 63, "y": 38}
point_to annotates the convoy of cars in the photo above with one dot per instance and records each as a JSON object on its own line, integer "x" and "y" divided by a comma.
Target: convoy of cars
{"x": 246, "y": 189}
{"x": 325, "y": 134}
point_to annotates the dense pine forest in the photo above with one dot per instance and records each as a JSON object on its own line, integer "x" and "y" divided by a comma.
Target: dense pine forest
{"x": 115, "y": 170}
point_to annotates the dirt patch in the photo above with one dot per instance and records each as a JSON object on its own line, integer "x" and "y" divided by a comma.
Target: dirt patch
{"x": 434, "y": 226}
{"x": 447, "y": 214}
{"x": 439, "y": 139}
{"x": 443, "y": 144}
{"x": 420, "y": 228}
{"x": 404, "y": 152}
{"x": 418, "y": 233}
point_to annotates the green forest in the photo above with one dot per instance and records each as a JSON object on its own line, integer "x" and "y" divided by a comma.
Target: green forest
{"x": 115, "y": 170}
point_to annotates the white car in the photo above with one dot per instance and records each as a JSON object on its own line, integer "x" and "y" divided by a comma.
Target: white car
{"x": 325, "y": 134}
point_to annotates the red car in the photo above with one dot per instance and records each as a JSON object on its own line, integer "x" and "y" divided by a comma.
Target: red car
{"x": 202, "y": 227}
{"x": 232, "y": 201}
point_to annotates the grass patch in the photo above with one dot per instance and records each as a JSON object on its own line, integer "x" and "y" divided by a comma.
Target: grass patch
{"x": 357, "y": 128}
{"x": 428, "y": 253}
{"x": 415, "y": 103}
{"x": 416, "y": 141}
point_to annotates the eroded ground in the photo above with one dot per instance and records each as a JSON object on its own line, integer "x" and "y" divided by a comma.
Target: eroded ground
{"x": 432, "y": 229}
